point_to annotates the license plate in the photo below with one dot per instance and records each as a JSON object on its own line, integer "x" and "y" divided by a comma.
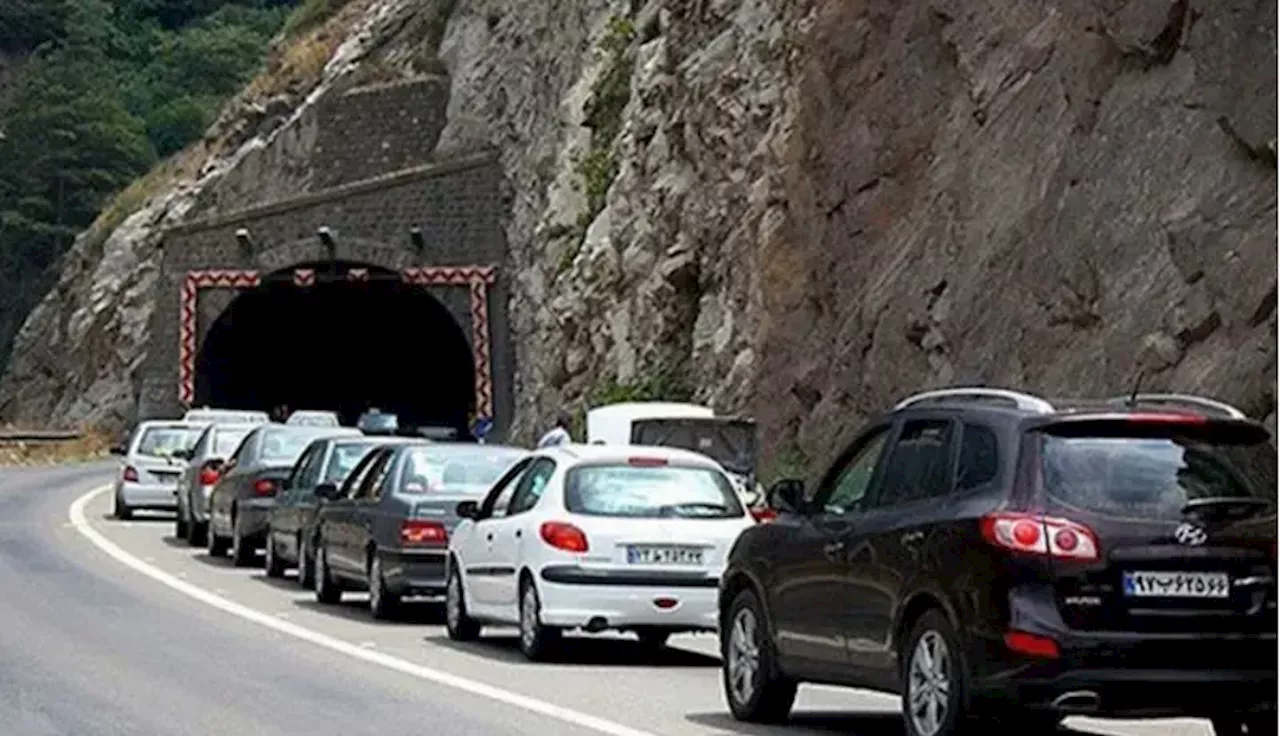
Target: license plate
{"x": 640, "y": 555}
{"x": 1177, "y": 585}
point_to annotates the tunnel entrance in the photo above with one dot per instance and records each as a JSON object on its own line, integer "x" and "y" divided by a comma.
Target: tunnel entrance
{"x": 339, "y": 345}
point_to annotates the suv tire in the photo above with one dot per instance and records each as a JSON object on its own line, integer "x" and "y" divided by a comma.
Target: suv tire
{"x": 935, "y": 679}
{"x": 753, "y": 686}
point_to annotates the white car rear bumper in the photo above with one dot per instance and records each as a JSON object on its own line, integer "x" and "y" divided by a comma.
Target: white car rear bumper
{"x": 573, "y": 601}
{"x": 149, "y": 495}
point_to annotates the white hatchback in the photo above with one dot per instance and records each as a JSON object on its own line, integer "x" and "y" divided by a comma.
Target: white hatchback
{"x": 596, "y": 538}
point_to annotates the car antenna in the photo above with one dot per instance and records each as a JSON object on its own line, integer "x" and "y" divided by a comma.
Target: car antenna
{"x": 1137, "y": 386}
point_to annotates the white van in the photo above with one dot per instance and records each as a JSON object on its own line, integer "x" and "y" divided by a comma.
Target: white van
{"x": 611, "y": 424}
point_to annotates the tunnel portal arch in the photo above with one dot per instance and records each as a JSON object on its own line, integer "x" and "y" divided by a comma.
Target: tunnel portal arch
{"x": 344, "y": 336}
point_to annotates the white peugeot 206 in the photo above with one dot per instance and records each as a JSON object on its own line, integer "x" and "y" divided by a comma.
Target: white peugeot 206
{"x": 595, "y": 538}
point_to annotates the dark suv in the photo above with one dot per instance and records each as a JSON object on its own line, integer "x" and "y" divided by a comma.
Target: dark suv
{"x": 993, "y": 557}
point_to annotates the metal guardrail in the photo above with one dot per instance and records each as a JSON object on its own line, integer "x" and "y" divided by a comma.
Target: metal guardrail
{"x": 10, "y": 436}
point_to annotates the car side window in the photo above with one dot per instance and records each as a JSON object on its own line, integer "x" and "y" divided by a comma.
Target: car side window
{"x": 531, "y": 486}
{"x": 242, "y": 451}
{"x": 849, "y": 481}
{"x": 495, "y": 504}
{"x": 919, "y": 465}
{"x": 352, "y": 483}
{"x": 300, "y": 471}
{"x": 388, "y": 475}
{"x": 979, "y": 457}
{"x": 373, "y": 479}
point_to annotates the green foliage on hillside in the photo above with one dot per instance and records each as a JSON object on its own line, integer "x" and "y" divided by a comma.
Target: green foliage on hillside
{"x": 105, "y": 89}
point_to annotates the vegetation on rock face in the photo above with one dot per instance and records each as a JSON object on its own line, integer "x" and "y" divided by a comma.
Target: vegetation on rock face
{"x": 598, "y": 167}
{"x": 107, "y": 88}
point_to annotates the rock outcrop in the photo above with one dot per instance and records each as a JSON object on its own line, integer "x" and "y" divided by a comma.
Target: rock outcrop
{"x": 798, "y": 210}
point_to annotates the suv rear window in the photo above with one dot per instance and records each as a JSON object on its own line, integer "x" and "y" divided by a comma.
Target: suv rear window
{"x": 1155, "y": 474}
{"x": 650, "y": 492}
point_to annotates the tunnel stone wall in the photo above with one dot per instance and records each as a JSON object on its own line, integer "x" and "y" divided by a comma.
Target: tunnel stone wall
{"x": 457, "y": 205}
{"x": 371, "y": 130}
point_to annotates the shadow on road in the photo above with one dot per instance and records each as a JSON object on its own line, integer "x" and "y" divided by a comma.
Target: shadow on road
{"x": 841, "y": 722}
{"x": 583, "y": 650}
{"x": 176, "y": 542}
{"x": 853, "y": 724}
{"x": 147, "y": 516}
{"x": 355, "y": 607}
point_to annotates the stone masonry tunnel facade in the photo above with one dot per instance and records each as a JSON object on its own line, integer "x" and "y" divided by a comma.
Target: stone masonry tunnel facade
{"x": 300, "y": 283}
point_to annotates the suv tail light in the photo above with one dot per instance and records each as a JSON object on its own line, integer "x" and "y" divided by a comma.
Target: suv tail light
{"x": 1041, "y": 535}
{"x": 764, "y": 515}
{"x": 423, "y": 533}
{"x": 208, "y": 475}
{"x": 264, "y": 487}
{"x": 130, "y": 474}
{"x": 1032, "y": 644}
{"x": 563, "y": 536}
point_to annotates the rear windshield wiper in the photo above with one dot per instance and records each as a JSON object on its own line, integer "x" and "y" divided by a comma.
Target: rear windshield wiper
{"x": 1225, "y": 504}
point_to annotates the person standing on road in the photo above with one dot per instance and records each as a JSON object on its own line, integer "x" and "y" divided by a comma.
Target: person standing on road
{"x": 559, "y": 434}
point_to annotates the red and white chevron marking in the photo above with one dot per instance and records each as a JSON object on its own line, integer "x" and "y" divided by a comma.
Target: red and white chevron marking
{"x": 448, "y": 275}
{"x": 481, "y": 353}
{"x": 304, "y": 277}
{"x": 188, "y": 301}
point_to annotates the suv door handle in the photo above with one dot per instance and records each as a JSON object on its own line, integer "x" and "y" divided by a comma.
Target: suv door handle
{"x": 912, "y": 537}
{"x": 832, "y": 549}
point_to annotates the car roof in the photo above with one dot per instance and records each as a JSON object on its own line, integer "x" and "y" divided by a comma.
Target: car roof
{"x": 621, "y": 453}
{"x": 995, "y": 401}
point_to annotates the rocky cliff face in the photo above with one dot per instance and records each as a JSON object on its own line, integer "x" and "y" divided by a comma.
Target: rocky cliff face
{"x": 794, "y": 209}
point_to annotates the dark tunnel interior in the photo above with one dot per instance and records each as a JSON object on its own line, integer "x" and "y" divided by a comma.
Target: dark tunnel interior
{"x": 341, "y": 346}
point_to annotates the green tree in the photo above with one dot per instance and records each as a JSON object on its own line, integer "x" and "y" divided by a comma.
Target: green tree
{"x": 69, "y": 143}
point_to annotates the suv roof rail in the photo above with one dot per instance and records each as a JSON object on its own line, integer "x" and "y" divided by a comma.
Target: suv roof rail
{"x": 1198, "y": 402}
{"x": 1023, "y": 401}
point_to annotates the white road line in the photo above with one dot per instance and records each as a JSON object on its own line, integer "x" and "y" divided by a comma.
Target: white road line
{"x": 534, "y": 705}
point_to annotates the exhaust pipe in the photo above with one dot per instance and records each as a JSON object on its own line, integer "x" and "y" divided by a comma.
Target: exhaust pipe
{"x": 1078, "y": 701}
{"x": 596, "y": 625}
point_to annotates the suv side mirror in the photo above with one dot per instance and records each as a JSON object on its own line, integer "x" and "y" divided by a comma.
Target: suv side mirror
{"x": 327, "y": 491}
{"x": 787, "y": 495}
{"x": 119, "y": 450}
{"x": 467, "y": 509}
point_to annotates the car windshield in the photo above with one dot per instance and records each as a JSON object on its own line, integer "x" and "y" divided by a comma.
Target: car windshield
{"x": 164, "y": 441}
{"x": 285, "y": 446}
{"x": 457, "y": 469}
{"x": 226, "y": 441}
{"x": 1155, "y": 477}
{"x": 650, "y": 492}
{"x": 344, "y": 458}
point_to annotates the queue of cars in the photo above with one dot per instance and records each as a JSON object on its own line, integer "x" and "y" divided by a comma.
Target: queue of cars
{"x": 990, "y": 556}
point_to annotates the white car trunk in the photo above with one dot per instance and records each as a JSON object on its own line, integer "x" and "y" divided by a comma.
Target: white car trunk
{"x": 675, "y": 545}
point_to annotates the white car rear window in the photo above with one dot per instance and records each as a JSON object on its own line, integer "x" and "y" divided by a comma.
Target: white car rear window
{"x": 650, "y": 492}
{"x": 164, "y": 441}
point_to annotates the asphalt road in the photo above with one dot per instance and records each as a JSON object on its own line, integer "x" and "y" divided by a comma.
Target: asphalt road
{"x": 111, "y": 627}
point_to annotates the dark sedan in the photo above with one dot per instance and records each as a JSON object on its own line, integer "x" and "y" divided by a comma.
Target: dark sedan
{"x": 249, "y": 482}
{"x": 291, "y": 521}
{"x": 387, "y": 529}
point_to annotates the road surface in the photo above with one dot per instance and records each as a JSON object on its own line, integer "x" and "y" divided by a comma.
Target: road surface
{"x": 111, "y": 627}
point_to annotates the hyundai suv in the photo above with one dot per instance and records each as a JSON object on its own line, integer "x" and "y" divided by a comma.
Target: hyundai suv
{"x": 991, "y": 556}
